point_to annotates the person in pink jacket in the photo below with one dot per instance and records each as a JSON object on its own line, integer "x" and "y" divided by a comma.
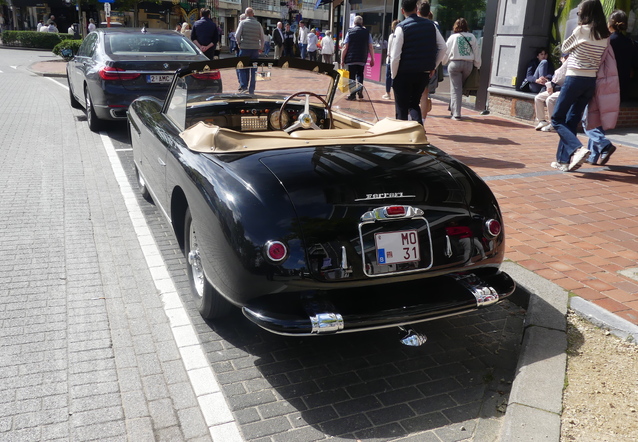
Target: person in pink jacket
{"x": 604, "y": 114}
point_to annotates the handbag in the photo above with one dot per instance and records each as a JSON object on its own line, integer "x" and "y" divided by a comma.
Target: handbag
{"x": 344, "y": 82}
{"x": 471, "y": 83}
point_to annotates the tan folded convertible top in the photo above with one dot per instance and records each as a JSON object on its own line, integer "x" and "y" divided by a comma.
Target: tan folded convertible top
{"x": 209, "y": 138}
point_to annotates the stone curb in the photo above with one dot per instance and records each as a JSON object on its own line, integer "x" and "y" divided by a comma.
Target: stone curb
{"x": 44, "y": 73}
{"x": 604, "y": 319}
{"x": 535, "y": 402}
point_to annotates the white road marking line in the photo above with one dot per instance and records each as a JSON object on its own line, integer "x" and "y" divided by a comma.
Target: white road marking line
{"x": 217, "y": 413}
{"x": 212, "y": 403}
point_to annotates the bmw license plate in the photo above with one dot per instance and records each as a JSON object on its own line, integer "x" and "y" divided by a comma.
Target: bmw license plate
{"x": 397, "y": 247}
{"x": 159, "y": 78}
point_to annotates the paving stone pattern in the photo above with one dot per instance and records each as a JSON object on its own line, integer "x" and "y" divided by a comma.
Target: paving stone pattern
{"x": 85, "y": 348}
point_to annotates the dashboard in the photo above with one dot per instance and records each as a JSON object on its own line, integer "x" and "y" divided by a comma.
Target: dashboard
{"x": 249, "y": 116}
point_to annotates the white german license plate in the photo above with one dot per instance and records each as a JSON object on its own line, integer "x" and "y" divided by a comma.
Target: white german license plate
{"x": 159, "y": 78}
{"x": 397, "y": 247}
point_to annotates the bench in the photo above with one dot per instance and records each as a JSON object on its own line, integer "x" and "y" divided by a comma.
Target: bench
{"x": 520, "y": 106}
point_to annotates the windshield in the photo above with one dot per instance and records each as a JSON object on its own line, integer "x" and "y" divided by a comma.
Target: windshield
{"x": 216, "y": 93}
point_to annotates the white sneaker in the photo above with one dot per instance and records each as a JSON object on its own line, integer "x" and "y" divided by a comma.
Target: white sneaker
{"x": 386, "y": 96}
{"x": 548, "y": 128}
{"x": 578, "y": 158}
{"x": 563, "y": 167}
{"x": 541, "y": 124}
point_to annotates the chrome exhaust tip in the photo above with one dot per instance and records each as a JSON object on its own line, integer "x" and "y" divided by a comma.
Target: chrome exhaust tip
{"x": 412, "y": 338}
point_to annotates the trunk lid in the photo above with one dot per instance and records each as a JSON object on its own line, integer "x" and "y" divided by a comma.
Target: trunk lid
{"x": 342, "y": 195}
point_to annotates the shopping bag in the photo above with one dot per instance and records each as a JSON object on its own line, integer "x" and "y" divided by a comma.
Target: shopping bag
{"x": 471, "y": 83}
{"x": 344, "y": 83}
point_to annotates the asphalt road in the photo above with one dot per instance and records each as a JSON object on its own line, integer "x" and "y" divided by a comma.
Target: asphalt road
{"x": 91, "y": 349}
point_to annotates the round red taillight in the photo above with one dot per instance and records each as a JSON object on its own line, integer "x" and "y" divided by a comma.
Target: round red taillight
{"x": 276, "y": 251}
{"x": 493, "y": 227}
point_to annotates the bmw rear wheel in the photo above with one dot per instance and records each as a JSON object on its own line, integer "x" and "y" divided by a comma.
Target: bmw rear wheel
{"x": 75, "y": 104}
{"x": 94, "y": 122}
{"x": 208, "y": 301}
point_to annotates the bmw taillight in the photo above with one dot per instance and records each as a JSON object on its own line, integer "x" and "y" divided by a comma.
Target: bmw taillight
{"x": 214, "y": 75}
{"x": 111, "y": 73}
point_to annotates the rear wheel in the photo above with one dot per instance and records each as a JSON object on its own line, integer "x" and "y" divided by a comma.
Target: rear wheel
{"x": 94, "y": 122}
{"x": 209, "y": 302}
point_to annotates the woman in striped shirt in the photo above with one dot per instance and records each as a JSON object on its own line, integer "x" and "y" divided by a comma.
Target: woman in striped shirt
{"x": 585, "y": 46}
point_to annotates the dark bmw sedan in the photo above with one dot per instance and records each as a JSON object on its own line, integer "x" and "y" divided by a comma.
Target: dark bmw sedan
{"x": 114, "y": 66}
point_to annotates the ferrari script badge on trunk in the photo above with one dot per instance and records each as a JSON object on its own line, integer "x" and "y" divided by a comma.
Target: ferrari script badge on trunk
{"x": 382, "y": 196}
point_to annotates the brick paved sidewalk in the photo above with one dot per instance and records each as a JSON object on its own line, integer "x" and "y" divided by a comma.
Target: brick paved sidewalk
{"x": 577, "y": 229}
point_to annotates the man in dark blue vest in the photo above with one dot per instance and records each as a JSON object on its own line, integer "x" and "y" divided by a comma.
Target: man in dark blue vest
{"x": 417, "y": 50}
{"x": 357, "y": 46}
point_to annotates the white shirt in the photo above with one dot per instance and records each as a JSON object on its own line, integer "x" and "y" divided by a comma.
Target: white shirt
{"x": 327, "y": 45}
{"x": 397, "y": 48}
{"x": 303, "y": 35}
{"x": 91, "y": 27}
{"x": 457, "y": 48}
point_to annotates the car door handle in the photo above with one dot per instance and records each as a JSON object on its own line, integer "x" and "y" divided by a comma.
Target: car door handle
{"x": 161, "y": 162}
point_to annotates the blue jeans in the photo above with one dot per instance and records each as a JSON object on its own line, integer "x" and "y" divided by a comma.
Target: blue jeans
{"x": 244, "y": 73}
{"x": 303, "y": 49}
{"x": 356, "y": 73}
{"x": 597, "y": 142}
{"x": 568, "y": 112}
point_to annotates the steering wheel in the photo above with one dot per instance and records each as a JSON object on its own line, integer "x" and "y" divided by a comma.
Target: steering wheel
{"x": 305, "y": 120}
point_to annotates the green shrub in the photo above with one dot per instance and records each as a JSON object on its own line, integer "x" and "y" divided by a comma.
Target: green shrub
{"x": 33, "y": 39}
{"x": 67, "y": 48}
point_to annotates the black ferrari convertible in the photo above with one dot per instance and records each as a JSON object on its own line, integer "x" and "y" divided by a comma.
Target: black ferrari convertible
{"x": 306, "y": 211}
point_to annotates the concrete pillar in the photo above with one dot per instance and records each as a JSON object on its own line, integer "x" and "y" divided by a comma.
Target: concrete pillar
{"x": 522, "y": 26}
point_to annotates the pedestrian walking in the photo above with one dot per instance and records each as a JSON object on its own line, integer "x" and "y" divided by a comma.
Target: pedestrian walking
{"x": 302, "y": 40}
{"x": 250, "y": 39}
{"x": 205, "y": 34}
{"x": 461, "y": 56}
{"x": 91, "y": 26}
{"x": 278, "y": 40}
{"x": 327, "y": 48}
{"x": 388, "y": 66}
{"x": 312, "y": 45}
{"x": 625, "y": 54}
{"x": 425, "y": 102}
{"x": 186, "y": 30}
{"x": 585, "y": 45}
{"x": 357, "y": 47}
{"x": 417, "y": 50}
{"x": 232, "y": 42}
{"x": 267, "y": 39}
{"x": 289, "y": 42}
